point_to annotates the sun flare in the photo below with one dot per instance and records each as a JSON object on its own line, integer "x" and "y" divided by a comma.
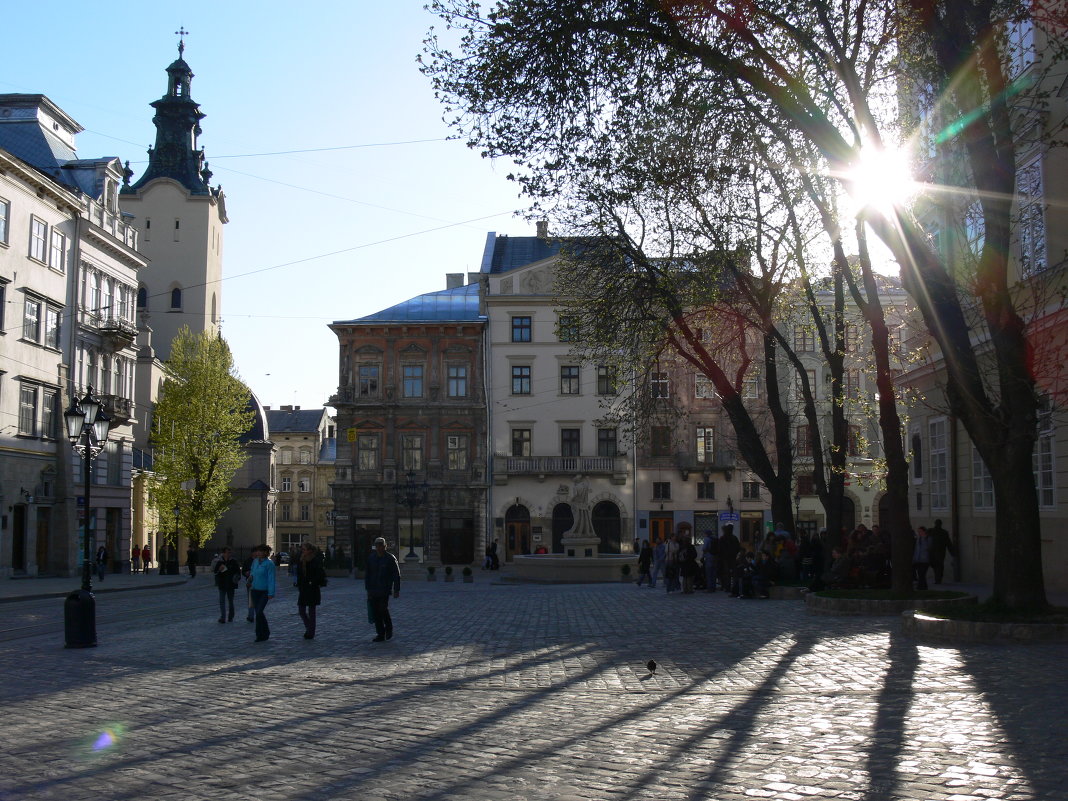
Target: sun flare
{"x": 880, "y": 179}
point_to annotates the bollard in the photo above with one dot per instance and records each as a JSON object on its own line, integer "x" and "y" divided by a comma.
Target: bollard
{"x": 79, "y": 619}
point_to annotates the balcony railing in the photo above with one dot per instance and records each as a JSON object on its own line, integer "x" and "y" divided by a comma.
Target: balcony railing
{"x": 560, "y": 465}
{"x": 119, "y": 333}
{"x": 120, "y": 409}
{"x": 112, "y": 223}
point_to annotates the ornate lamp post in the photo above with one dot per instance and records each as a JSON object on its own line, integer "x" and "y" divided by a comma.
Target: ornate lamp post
{"x": 411, "y": 495}
{"x": 87, "y": 429}
{"x": 797, "y": 514}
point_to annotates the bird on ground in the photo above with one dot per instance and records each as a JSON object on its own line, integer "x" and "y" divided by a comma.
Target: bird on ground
{"x": 651, "y": 665}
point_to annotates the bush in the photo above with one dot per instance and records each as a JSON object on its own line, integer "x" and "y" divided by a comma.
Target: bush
{"x": 467, "y": 571}
{"x": 448, "y": 570}
{"x": 430, "y": 569}
{"x": 626, "y": 570}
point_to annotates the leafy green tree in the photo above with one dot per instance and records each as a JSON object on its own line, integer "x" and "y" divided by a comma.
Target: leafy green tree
{"x": 200, "y": 417}
{"x": 546, "y": 81}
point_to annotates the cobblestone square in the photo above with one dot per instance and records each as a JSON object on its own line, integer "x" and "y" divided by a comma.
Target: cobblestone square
{"x": 492, "y": 691}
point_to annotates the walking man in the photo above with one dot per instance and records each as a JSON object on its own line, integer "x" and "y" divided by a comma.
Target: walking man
{"x": 227, "y": 576}
{"x": 940, "y": 543}
{"x": 708, "y": 550}
{"x": 263, "y": 587}
{"x": 381, "y": 579}
{"x": 101, "y": 562}
{"x": 146, "y": 558}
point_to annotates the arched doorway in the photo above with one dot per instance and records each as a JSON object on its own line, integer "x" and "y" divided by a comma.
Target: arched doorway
{"x": 884, "y": 511}
{"x": 563, "y": 521}
{"x": 517, "y": 531}
{"x": 849, "y": 513}
{"x": 605, "y": 518}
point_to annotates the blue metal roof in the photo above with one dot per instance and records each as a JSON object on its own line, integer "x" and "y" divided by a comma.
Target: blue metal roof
{"x": 505, "y": 253}
{"x": 452, "y": 305}
{"x": 288, "y": 420}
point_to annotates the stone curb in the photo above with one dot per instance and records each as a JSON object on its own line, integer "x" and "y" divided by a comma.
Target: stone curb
{"x": 96, "y": 591}
{"x": 924, "y": 627}
{"x": 819, "y": 605}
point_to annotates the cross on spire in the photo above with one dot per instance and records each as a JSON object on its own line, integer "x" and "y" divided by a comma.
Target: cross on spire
{"x": 181, "y": 33}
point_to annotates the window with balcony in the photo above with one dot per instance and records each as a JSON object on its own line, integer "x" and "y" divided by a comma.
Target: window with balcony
{"x": 368, "y": 378}
{"x": 606, "y": 380}
{"x": 570, "y": 444}
{"x": 520, "y": 379}
{"x": 569, "y": 379}
{"x": 706, "y": 441}
{"x": 456, "y": 451}
{"x": 521, "y": 442}
{"x": 367, "y": 452}
{"x": 606, "y": 442}
{"x": 521, "y": 329}
{"x": 412, "y": 380}
{"x": 457, "y": 381}
{"x": 412, "y": 451}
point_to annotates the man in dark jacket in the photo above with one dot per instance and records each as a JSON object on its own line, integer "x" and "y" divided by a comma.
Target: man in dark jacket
{"x": 939, "y": 544}
{"x": 381, "y": 578}
{"x": 227, "y": 576}
{"x": 728, "y": 555}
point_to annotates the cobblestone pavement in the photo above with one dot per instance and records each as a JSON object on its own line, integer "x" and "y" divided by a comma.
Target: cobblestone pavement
{"x": 505, "y": 692}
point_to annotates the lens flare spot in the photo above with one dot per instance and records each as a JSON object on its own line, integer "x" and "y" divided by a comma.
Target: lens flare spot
{"x": 108, "y": 738}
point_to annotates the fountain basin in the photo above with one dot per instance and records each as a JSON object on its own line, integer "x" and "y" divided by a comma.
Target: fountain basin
{"x": 556, "y": 568}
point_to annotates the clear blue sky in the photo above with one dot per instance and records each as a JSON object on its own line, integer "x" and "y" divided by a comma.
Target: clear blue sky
{"x": 273, "y": 76}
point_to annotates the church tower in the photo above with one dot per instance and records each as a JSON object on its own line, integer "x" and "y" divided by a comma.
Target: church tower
{"x": 180, "y": 218}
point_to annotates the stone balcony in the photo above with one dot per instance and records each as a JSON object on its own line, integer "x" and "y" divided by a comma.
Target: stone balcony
{"x": 118, "y": 408}
{"x": 117, "y": 334}
{"x": 543, "y": 467}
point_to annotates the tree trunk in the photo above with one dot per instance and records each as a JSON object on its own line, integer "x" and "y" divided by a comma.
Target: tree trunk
{"x": 1018, "y": 578}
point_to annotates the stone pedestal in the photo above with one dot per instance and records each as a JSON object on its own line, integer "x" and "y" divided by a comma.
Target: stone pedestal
{"x": 580, "y": 547}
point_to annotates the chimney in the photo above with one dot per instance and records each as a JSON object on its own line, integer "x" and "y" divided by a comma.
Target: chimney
{"x": 542, "y": 228}
{"x": 454, "y": 280}
{"x": 472, "y": 278}
{"x": 266, "y": 408}
{"x": 285, "y": 408}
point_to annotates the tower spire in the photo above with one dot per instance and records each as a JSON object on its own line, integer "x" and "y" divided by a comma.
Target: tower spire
{"x": 181, "y": 33}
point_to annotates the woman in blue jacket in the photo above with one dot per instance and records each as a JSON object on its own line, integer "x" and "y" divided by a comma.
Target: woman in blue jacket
{"x": 263, "y": 587}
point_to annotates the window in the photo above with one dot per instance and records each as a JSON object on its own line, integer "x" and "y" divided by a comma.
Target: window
{"x": 1043, "y": 456}
{"x": 457, "y": 381}
{"x": 367, "y": 452}
{"x": 521, "y": 328}
{"x": 38, "y": 239}
{"x": 305, "y": 512}
{"x": 852, "y": 384}
{"x": 567, "y": 329}
{"x": 974, "y": 228}
{"x": 104, "y": 388}
{"x": 1031, "y": 224}
{"x": 659, "y": 385}
{"x": 856, "y": 442}
{"x": 305, "y": 456}
{"x": 569, "y": 379}
{"x": 57, "y": 254}
{"x": 751, "y": 490}
{"x": 570, "y": 442}
{"x": 806, "y": 485}
{"x": 285, "y": 512}
{"x": 368, "y": 376}
{"x": 852, "y": 337}
{"x": 49, "y": 402}
{"x": 5, "y": 217}
{"x": 917, "y": 457}
{"x": 413, "y": 380}
{"x": 3, "y": 305}
{"x": 939, "y": 461}
{"x": 800, "y": 394}
{"x": 520, "y": 442}
{"x": 703, "y": 387}
{"x": 412, "y": 452}
{"x": 660, "y": 442}
{"x": 751, "y": 385}
{"x": 124, "y": 293}
{"x": 142, "y": 298}
{"x": 706, "y": 490}
{"x": 661, "y": 490}
{"x": 606, "y": 442}
{"x": 287, "y": 484}
{"x": 31, "y": 325}
{"x": 287, "y": 456}
{"x": 803, "y": 447}
{"x": 520, "y": 379}
{"x": 606, "y": 380}
{"x": 982, "y": 483}
{"x": 456, "y": 451}
{"x": 706, "y": 441}
{"x": 176, "y": 298}
{"x": 304, "y": 484}
{"x": 804, "y": 339}
{"x": 28, "y": 410}
{"x": 107, "y": 309}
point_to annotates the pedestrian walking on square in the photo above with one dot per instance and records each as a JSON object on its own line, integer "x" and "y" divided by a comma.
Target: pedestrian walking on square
{"x": 381, "y": 579}
{"x": 921, "y": 557}
{"x": 688, "y": 566}
{"x": 311, "y": 577}
{"x": 263, "y": 587}
{"x": 246, "y": 571}
{"x": 659, "y": 555}
{"x": 709, "y": 548}
{"x": 940, "y": 543}
{"x": 671, "y": 564}
{"x": 645, "y": 563}
{"x": 227, "y": 578}
{"x": 727, "y": 557}
{"x": 146, "y": 558}
{"x": 101, "y": 562}
{"x": 135, "y": 558}
{"x": 191, "y": 557}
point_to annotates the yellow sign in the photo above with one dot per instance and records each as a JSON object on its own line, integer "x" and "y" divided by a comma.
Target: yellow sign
{"x": 351, "y": 434}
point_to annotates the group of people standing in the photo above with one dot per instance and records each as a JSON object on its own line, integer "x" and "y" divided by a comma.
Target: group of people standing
{"x": 260, "y": 571}
{"x": 684, "y": 567}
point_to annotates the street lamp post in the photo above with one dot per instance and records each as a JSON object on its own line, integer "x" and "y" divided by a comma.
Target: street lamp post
{"x": 411, "y": 495}
{"x": 87, "y": 429}
{"x": 797, "y": 513}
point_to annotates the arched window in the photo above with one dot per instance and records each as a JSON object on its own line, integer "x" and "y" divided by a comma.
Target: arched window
{"x": 142, "y": 298}
{"x": 176, "y": 298}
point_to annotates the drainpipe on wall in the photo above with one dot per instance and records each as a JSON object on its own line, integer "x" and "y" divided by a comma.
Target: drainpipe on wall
{"x": 954, "y": 501}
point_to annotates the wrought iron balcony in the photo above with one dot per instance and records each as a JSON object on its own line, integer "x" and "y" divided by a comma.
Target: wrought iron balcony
{"x": 117, "y": 333}
{"x": 119, "y": 409}
{"x": 559, "y": 465}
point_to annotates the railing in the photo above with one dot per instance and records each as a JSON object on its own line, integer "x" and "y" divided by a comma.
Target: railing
{"x": 537, "y": 465}
{"x": 112, "y": 223}
{"x": 723, "y": 460}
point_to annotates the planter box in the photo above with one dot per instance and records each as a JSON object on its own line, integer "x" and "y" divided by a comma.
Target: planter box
{"x": 469, "y": 579}
{"x": 431, "y": 577}
{"x": 787, "y": 593}
{"x": 449, "y": 577}
{"x": 816, "y": 604}
{"x": 916, "y": 624}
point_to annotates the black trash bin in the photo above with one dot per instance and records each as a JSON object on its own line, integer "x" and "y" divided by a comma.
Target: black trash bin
{"x": 79, "y": 619}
